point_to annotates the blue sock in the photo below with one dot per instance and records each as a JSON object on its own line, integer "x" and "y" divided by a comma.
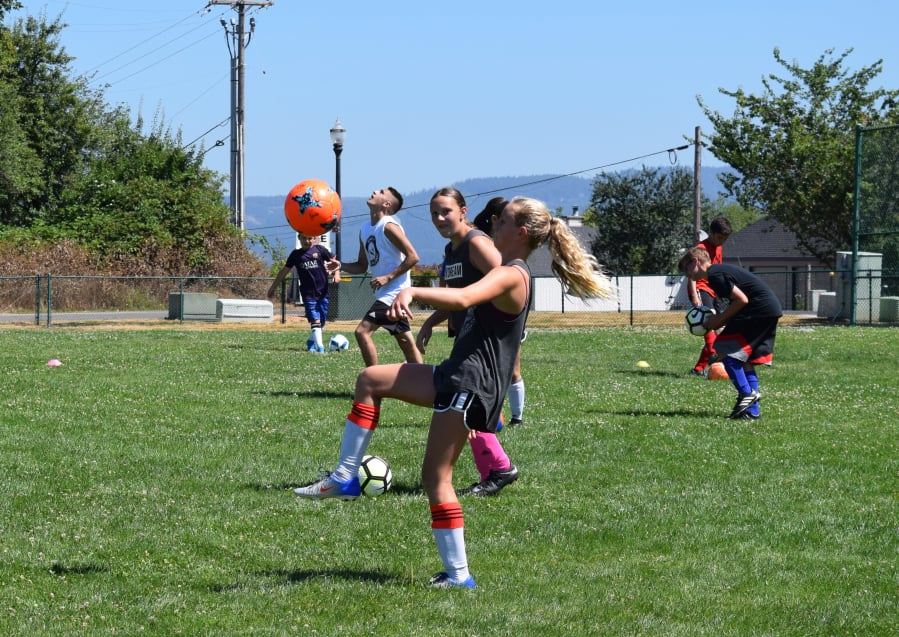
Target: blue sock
{"x": 736, "y": 374}
{"x": 753, "y": 380}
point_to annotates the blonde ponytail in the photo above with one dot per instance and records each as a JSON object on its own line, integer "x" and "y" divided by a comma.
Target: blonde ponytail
{"x": 578, "y": 270}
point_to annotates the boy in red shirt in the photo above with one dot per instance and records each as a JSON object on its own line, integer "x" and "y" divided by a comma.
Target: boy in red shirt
{"x": 700, "y": 293}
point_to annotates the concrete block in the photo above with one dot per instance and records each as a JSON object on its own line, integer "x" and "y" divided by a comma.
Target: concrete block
{"x": 827, "y": 305}
{"x": 198, "y": 306}
{"x": 244, "y": 310}
{"x": 889, "y": 309}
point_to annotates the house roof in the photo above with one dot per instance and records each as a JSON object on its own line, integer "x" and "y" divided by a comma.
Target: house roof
{"x": 765, "y": 241}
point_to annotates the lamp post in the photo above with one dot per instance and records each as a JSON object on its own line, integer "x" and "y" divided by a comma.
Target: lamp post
{"x": 338, "y": 133}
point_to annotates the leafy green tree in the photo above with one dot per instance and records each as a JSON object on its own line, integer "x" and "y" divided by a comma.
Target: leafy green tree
{"x": 73, "y": 169}
{"x": 19, "y": 163}
{"x": 738, "y": 216}
{"x": 644, "y": 219}
{"x": 144, "y": 192}
{"x": 8, "y": 5}
{"x": 51, "y": 118}
{"x": 792, "y": 146}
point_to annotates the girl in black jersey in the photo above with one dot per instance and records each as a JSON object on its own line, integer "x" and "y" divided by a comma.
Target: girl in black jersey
{"x": 469, "y": 255}
{"x": 466, "y": 390}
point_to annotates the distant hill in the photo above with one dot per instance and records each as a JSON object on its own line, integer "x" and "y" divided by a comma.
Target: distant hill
{"x": 562, "y": 194}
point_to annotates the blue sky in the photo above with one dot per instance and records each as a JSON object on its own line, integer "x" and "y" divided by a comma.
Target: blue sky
{"x": 432, "y": 94}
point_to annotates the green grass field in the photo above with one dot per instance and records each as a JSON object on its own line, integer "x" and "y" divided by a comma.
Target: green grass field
{"x": 146, "y": 490}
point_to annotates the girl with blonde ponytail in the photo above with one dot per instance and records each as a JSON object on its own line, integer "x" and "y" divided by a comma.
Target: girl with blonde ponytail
{"x": 465, "y": 391}
{"x": 576, "y": 269}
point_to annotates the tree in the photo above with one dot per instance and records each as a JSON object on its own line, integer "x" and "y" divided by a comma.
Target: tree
{"x": 51, "y": 116}
{"x": 140, "y": 187}
{"x": 738, "y": 216}
{"x": 74, "y": 169}
{"x": 793, "y": 146}
{"x": 8, "y": 5}
{"x": 644, "y": 219}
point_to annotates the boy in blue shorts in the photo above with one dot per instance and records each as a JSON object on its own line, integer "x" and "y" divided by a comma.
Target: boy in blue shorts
{"x": 749, "y": 321}
{"x": 310, "y": 261}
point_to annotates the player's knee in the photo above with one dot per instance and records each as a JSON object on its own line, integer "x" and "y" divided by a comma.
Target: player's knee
{"x": 429, "y": 477}
{"x": 364, "y": 383}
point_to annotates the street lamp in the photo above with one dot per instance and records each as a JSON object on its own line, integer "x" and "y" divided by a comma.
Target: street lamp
{"x": 338, "y": 133}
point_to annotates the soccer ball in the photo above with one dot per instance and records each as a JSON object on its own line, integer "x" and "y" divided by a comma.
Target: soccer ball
{"x": 694, "y": 319}
{"x": 312, "y": 208}
{"x": 375, "y": 476}
{"x": 717, "y": 371}
{"x": 338, "y": 343}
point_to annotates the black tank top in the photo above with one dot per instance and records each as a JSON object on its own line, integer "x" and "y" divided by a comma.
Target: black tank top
{"x": 483, "y": 356}
{"x": 459, "y": 272}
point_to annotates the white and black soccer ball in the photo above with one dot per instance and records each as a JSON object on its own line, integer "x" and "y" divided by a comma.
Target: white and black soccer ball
{"x": 375, "y": 476}
{"x": 338, "y": 343}
{"x": 695, "y": 317}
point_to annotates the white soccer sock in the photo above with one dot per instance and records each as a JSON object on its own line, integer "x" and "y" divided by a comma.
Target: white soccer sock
{"x": 516, "y": 398}
{"x": 317, "y": 336}
{"x": 353, "y": 445}
{"x": 451, "y": 546}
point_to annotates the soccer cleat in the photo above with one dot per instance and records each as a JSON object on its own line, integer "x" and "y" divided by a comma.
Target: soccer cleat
{"x": 751, "y": 417}
{"x": 699, "y": 372}
{"x": 328, "y": 487}
{"x": 516, "y": 422}
{"x": 744, "y": 402}
{"x": 442, "y": 580}
{"x": 494, "y": 483}
{"x": 319, "y": 349}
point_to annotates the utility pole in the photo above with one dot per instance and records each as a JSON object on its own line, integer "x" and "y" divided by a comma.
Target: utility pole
{"x": 239, "y": 40}
{"x": 697, "y": 185}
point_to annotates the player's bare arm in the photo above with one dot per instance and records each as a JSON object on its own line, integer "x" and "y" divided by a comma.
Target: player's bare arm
{"x": 398, "y": 238}
{"x": 360, "y": 266}
{"x": 483, "y": 254}
{"x": 505, "y": 287}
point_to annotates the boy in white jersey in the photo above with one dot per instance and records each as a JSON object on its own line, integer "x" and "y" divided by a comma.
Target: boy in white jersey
{"x": 386, "y": 252}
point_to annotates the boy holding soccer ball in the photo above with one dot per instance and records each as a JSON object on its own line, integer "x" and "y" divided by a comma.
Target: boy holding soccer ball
{"x": 701, "y": 293}
{"x": 749, "y": 322}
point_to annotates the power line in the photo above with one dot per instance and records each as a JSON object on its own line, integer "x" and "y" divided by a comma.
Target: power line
{"x": 221, "y": 123}
{"x": 144, "y": 41}
{"x": 165, "y": 29}
{"x": 159, "y": 61}
{"x": 581, "y": 172}
{"x": 669, "y": 151}
{"x": 240, "y": 38}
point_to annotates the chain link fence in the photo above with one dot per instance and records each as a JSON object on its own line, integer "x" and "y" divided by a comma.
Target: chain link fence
{"x": 808, "y": 296}
{"x": 873, "y": 264}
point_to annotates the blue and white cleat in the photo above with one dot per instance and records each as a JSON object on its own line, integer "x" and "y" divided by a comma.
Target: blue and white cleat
{"x": 328, "y": 487}
{"x": 442, "y": 580}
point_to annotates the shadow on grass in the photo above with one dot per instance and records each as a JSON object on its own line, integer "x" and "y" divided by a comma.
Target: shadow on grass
{"x": 673, "y": 413}
{"x": 291, "y": 577}
{"x": 348, "y": 396}
{"x": 78, "y": 569}
{"x": 650, "y": 372}
{"x": 288, "y": 487}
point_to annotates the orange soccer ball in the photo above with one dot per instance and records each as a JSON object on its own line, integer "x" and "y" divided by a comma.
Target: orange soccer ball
{"x": 312, "y": 208}
{"x": 717, "y": 372}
